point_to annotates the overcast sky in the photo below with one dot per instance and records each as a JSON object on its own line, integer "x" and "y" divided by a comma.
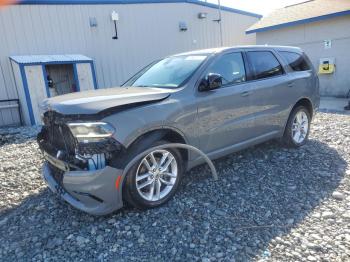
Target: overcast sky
{"x": 262, "y": 7}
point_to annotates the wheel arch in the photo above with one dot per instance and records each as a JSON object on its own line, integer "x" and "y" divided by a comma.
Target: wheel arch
{"x": 147, "y": 138}
{"x": 306, "y": 102}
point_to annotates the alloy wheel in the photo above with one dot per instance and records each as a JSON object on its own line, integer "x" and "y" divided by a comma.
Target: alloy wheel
{"x": 300, "y": 127}
{"x": 156, "y": 175}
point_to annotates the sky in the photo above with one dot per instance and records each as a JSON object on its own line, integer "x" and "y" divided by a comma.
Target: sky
{"x": 262, "y": 7}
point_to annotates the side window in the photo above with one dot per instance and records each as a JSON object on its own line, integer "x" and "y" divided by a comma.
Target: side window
{"x": 230, "y": 67}
{"x": 264, "y": 64}
{"x": 296, "y": 61}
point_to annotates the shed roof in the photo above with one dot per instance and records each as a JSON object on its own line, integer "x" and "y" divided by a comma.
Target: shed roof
{"x": 301, "y": 13}
{"x": 104, "y": 2}
{"x": 46, "y": 59}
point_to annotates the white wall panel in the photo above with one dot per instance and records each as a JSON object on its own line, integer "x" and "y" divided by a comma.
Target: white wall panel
{"x": 86, "y": 82}
{"x": 21, "y": 95}
{"x": 146, "y": 32}
{"x": 36, "y": 86}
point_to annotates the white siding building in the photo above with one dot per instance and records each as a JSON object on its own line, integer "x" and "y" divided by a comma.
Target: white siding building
{"x": 322, "y": 29}
{"x": 147, "y": 30}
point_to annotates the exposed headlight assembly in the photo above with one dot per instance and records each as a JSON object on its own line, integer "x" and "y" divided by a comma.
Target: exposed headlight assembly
{"x": 91, "y": 131}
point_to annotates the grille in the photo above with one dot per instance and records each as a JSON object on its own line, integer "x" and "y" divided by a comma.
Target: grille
{"x": 55, "y": 135}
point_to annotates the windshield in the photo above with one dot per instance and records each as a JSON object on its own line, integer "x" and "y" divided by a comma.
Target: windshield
{"x": 171, "y": 72}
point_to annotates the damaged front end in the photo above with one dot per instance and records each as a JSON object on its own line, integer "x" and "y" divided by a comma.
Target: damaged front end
{"x": 89, "y": 151}
{"x": 78, "y": 151}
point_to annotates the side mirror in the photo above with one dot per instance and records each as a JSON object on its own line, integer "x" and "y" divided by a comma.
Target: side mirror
{"x": 211, "y": 82}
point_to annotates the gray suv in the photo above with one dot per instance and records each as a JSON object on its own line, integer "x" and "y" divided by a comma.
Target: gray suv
{"x": 218, "y": 100}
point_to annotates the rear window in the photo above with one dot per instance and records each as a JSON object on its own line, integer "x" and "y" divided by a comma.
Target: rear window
{"x": 264, "y": 64}
{"x": 296, "y": 61}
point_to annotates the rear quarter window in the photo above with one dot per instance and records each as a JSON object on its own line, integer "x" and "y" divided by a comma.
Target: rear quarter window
{"x": 296, "y": 61}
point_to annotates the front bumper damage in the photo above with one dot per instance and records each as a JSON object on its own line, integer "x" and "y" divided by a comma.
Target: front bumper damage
{"x": 95, "y": 189}
{"x": 95, "y": 192}
{"x": 81, "y": 172}
{"x": 100, "y": 194}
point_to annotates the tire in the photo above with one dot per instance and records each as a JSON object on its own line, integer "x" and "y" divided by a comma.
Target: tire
{"x": 139, "y": 197}
{"x": 299, "y": 115}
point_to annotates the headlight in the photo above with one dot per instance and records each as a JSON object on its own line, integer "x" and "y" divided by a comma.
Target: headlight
{"x": 91, "y": 131}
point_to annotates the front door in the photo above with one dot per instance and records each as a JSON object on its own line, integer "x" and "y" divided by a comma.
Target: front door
{"x": 225, "y": 114}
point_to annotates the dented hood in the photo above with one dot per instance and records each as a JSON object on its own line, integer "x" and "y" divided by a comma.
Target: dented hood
{"x": 95, "y": 101}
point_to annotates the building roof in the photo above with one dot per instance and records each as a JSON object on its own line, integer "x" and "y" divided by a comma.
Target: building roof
{"x": 301, "y": 13}
{"x": 103, "y": 2}
{"x": 47, "y": 59}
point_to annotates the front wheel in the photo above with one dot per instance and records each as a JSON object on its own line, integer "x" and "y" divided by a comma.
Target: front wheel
{"x": 154, "y": 179}
{"x": 298, "y": 127}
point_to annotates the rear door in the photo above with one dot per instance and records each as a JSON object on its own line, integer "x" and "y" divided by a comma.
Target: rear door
{"x": 303, "y": 77}
{"x": 272, "y": 94}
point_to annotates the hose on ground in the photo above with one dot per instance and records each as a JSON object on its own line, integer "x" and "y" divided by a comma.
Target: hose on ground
{"x": 172, "y": 145}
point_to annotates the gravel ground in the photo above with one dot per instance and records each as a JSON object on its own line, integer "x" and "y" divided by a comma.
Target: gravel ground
{"x": 270, "y": 203}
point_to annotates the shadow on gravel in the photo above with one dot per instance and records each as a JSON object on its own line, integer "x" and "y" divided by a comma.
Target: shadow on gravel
{"x": 262, "y": 193}
{"x": 17, "y": 135}
{"x": 337, "y": 112}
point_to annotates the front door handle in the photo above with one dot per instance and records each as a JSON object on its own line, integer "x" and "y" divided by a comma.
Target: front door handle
{"x": 246, "y": 93}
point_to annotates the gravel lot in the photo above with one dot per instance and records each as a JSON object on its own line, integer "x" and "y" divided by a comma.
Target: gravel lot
{"x": 270, "y": 203}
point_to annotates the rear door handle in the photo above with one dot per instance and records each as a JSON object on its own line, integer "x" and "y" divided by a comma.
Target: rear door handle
{"x": 290, "y": 84}
{"x": 246, "y": 93}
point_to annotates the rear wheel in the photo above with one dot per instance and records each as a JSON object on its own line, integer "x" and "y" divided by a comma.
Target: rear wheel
{"x": 298, "y": 127}
{"x": 154, "y": 179}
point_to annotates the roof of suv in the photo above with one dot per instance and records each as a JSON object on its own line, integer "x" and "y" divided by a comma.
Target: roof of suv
{"x": 249, "y": 47}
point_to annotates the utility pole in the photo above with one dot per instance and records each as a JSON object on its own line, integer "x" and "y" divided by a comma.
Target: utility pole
{"x": 220, "y": 24}
{"x": 219, "y": 20}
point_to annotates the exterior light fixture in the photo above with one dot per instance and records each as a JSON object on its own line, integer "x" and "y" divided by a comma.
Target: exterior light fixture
{"x": 183, "y": 26}
{"x": 115, "y": 18}
{"x": 93, "y": 21}
{"x": 202, "y": 15}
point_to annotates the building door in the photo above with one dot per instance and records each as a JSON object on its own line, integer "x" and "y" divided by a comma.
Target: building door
{"x": 60, "y": 79}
